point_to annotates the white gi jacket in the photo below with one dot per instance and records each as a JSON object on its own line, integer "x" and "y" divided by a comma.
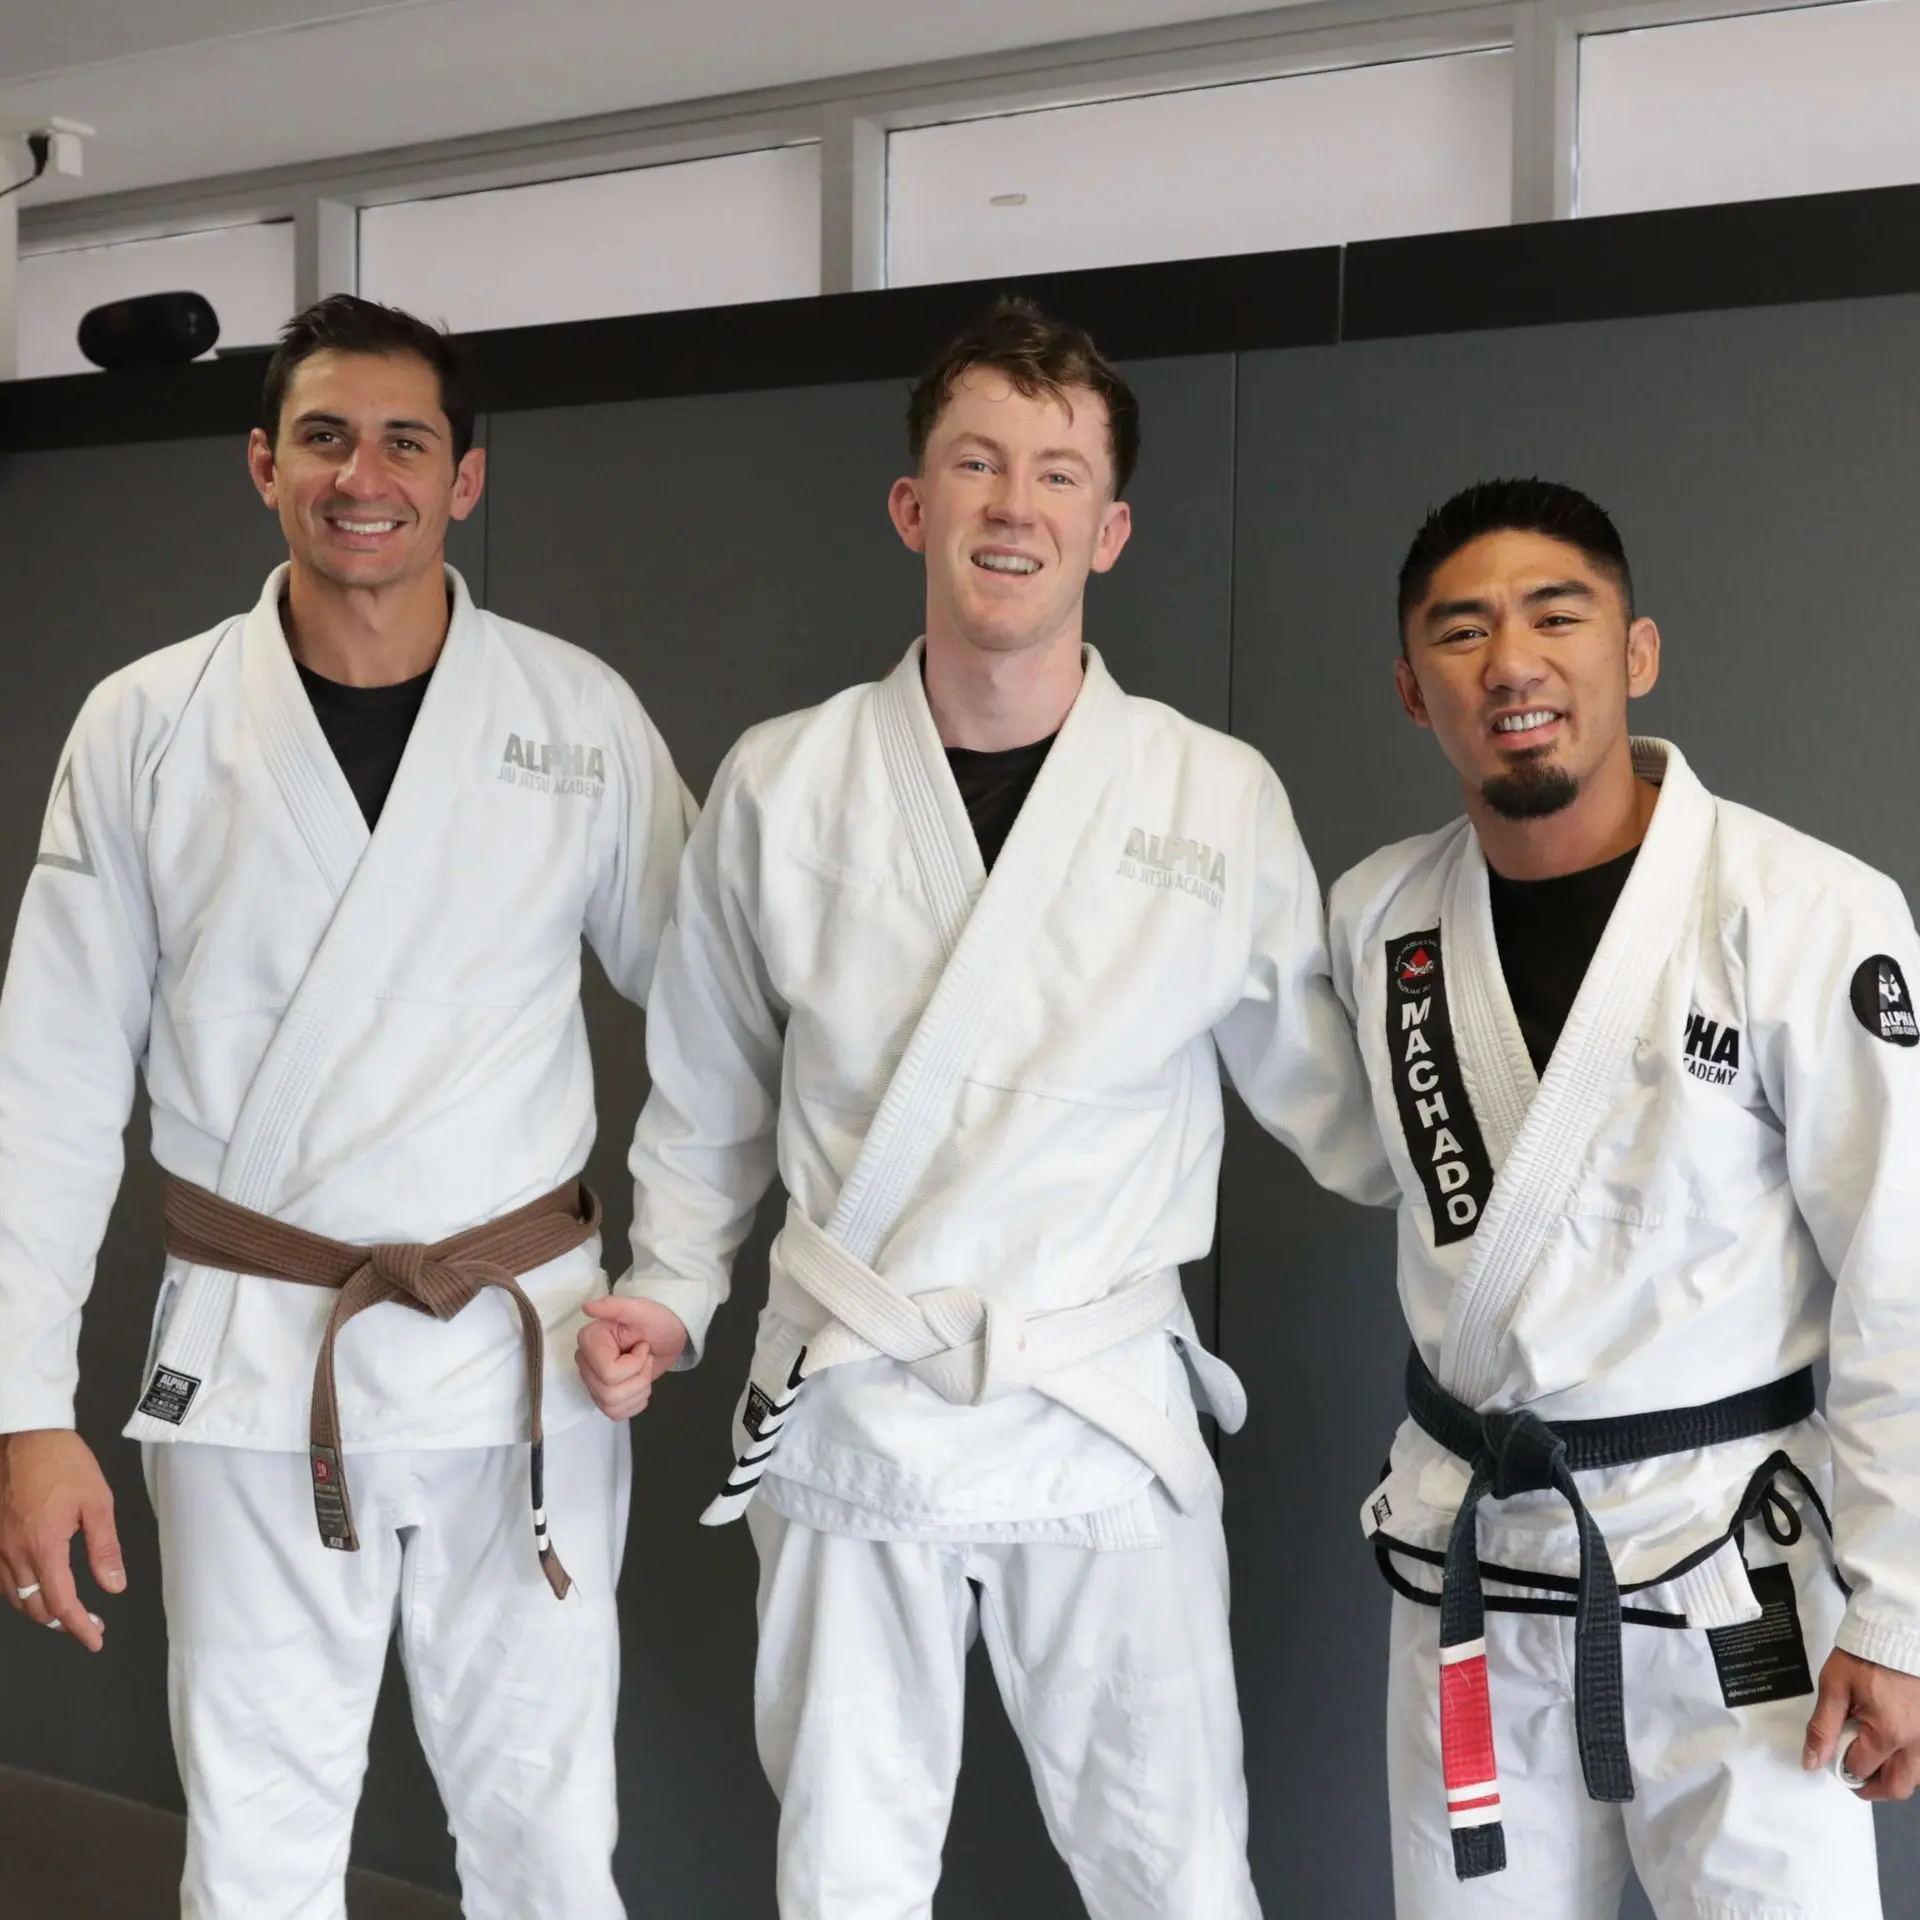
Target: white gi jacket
{"x": 1003, "y": 1091}
{"x": 1716, "y": 1183}
{"x": 375, "y": 1037}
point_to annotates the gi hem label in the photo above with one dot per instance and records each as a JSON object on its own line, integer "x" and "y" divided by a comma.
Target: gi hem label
{"x": 169, "y": 1395}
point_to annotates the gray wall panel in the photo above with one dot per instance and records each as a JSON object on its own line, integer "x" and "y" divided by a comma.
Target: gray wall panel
{"x": 1763, "y": 469}
{"x": 733, "y": 558}
{"x": 106, "y": 554}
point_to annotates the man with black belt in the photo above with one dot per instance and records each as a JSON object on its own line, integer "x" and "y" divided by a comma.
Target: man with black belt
{"x": 322, "y": 874}
{"x": 1646, "y": 1066}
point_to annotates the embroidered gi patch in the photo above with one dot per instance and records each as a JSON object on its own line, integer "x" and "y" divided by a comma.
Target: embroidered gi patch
{"x": 1712, "y": 1051}
{"x": 169, "y": 1395}
{"x": 1437, "y": 1120}
{"x": 1882, "y": 1003}
{"x": 1767, "y": 1658}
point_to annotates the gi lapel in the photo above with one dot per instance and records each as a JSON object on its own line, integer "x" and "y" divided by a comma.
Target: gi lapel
{"x": 981, "y": 943}
{"x": 983, "y": 929}
{"x": 1551, "y": 1144}
{"x": 1498, "y": 1069}
{"x": 371, "y": 880}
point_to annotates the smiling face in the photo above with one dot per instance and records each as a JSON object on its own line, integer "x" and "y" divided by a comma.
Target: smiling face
{"x": 1013, "y": 507}
{"x": 1522, "y": 657}
{"x": 361, "y": 471}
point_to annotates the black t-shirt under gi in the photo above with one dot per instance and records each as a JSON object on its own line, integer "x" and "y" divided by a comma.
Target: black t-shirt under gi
{"x": 367, "y": 728}
{"x": 1547, "y": 931}
{"x": 995, "y": 787}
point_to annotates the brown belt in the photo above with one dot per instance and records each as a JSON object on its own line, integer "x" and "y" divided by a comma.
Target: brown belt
{"x": 440, "y": 1279}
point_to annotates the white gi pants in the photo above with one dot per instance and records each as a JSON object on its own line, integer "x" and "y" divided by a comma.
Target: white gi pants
{"x": 1724, "y": 1824}
{"x": 1116, "y": 1673}
{"x": 276, "y": 1645}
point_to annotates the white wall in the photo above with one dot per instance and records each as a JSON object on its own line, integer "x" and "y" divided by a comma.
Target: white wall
{"x": 699, "y": 234}
{"x": 247, "y": 272}
{"x": 1413, "y": 147}
{"x": 1807, "y": 101}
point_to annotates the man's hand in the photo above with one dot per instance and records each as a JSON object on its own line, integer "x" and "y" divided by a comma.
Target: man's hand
{"x": 630, "y": 1344}
{"x": 1886, "y": 1705}
{"x": 51, "y": 1486}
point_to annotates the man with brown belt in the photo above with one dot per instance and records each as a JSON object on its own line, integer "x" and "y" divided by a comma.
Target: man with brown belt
{"x": 322, "y": 874}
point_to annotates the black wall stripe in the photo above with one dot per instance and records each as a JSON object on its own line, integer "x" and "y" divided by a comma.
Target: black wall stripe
{"x": 1826, "y": 246}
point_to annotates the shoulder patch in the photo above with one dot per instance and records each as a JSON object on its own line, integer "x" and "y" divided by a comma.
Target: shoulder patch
{"x": 1882, "y": 1002}
{"x": 1437, "y": 1120}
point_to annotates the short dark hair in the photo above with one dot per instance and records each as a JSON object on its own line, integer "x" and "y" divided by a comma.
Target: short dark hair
{"x": 344, "y": 323}
{"x": 1039, "y": 356}
{"x": 1512, "y": 506}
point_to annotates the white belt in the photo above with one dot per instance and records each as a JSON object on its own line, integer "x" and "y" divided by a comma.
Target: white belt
{"x": 971, "y": 1348}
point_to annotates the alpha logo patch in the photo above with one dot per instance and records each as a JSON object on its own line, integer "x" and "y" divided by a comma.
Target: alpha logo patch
{"x": 1437, "y": 1120}
{"x": 1882, "y": 1002}
{"x": 169, "y": 1395}
{"x": 1712, "y": 1051}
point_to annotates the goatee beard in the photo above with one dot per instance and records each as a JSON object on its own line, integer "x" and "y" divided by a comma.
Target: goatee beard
{"x": 1531, "y": 790}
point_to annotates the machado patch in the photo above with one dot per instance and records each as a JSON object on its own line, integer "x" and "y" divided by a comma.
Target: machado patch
{"x": 1767, "y": 1658}
{"x": 1882, "y": 1002}
{"x": 1441, "y": 1130}
{"x": 169, "y": 1395}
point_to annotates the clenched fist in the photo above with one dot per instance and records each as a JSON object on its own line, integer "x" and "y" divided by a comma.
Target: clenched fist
{"x": 626, "y": 1348}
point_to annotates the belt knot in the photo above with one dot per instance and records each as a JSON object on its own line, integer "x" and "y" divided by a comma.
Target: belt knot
{"x": 960, "y": 1317}
{"x": 439, "y": 1287}
{"x": 1527, "y": 1455}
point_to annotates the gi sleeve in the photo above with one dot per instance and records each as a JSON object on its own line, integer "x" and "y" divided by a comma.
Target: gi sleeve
{"x": 703, "y": 1152}
{"x": 1288, "y": 1046}
{"x": 639, "y": 839}
{"x": 74, "y": 1018}
{"x": 1830, "y": 1008}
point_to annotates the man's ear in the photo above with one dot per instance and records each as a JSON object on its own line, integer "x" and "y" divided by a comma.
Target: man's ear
{"x": 1643, "y": 657}
{"x": 908, "y": 512}
{"x": 468, "y": 480}
{"x": 1115, "y": 530}
{"x": 260, "y": 468}
{"x": 1408, "y": 688}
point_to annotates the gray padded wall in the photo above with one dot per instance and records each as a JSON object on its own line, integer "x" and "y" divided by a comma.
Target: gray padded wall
{"x": 1765, "y": 473}
{"x": 731, "y": 555}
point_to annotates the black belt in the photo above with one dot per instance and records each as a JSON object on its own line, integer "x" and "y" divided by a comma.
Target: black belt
{"x": 1518, "y": 1452}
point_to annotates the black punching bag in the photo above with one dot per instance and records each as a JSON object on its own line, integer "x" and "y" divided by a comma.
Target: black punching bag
{"x": 156, "y": 330}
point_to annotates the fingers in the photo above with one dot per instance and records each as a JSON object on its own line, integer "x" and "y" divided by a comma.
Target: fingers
{"x": 57, "y": 1604}
{"x": 1895, "y": 1779}
{"x": 624, "y": 1319}
{"x": 621, "y": 1383}
{"x": 624, "y": 1403}
{"x": 1829, "y": 1716}
{"x": 604, "y": 1362}
{"x": 103, "y": 1545}
{"x": 1869, "y": 1753}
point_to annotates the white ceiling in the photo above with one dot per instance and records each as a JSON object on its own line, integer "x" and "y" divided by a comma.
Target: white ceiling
{"x": 181, "y": 89}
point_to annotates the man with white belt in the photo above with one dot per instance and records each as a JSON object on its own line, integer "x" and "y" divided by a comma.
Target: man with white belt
{"x": 322, "y": 875}
{"x": 961, "y": 954}
{"x": 1649, "y": 1073}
